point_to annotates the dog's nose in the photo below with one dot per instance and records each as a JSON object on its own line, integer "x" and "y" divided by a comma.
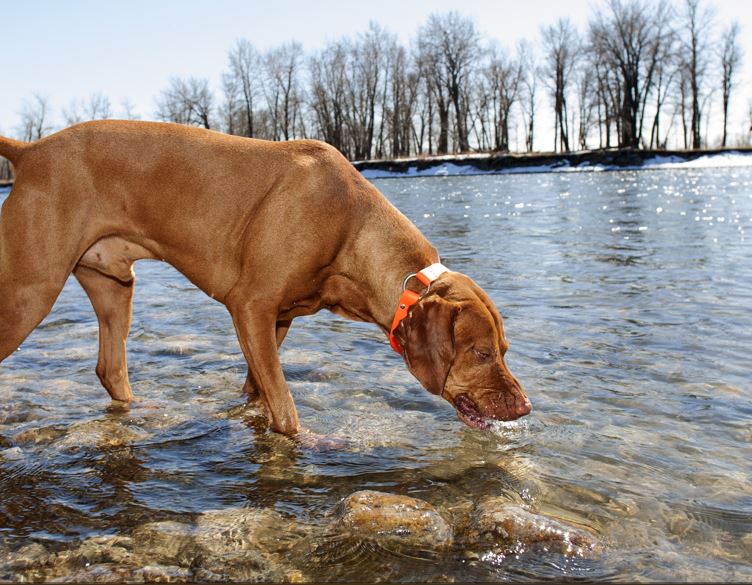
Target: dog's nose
{"x": 523, "y": 408}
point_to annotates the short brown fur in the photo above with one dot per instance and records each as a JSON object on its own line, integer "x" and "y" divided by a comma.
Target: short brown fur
{"x": 271, "y": 230}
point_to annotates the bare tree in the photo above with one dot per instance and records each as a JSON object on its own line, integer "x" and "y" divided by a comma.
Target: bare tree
{"x": 436, "y": 100}
{"x": 327, "y": 93}
{"x": 403, "y": 87}
{"x": 35, "y": 118}
{"x": 665, "y": 74}
{"x": 188, "y": 101}
{"x": 731, "y": 56}
{"x": 97, "y": 107}
{"x": 682, "y": 106}
{"x": 365, "y": 91}
{"x": 452, "y": 47}
{"x": 72, "y": 114}
{"x": 424, "y": 110}
{"x": 503, "y": 77}
{"x": 283, "y": 89}
{"x": 561, "y": 46}
{"x": 230, "y": 111}
{"x": 482, "y": 112}
{"x": 389, "y": 103}
{"x": 608, "y": 90}
{"x": 245, "y": 78}
{"x": 128, "y": 111}
{"x": 629, "y": 39}
{"x": 586, "y": 104}
{"x": 697, "y": 20}
{"x": 528, "y": 89}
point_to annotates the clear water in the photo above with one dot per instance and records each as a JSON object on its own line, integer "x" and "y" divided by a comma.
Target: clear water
{"x": 627, "y": 298}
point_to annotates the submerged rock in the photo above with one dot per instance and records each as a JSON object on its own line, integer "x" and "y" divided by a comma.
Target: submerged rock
{"x": 12, "y": 453}
{"x": 747, "y": 543}
{"x": 165, "y": 541}
{"x": 43, "y": 434}
{"x": 224, "y": 545}
{"x": 89, "y": 434}
{"x": 383, "y": 517}
{"x": 115, "y": 573}
{"x": 247, "y": 566}
{"x": 499, "y": 523}
{"x": 100, "y": 434}
{"x": 100, "y": 559}
{"x": 238, "y": 544}
{"x": 98, "y": 550}
{"x": 28, "y": 556}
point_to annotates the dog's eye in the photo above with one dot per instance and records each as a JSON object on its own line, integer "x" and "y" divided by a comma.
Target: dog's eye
{"x": 482, "y": 353}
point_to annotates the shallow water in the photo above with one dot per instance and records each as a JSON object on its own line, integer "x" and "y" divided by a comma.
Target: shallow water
{"x": 627, "y": 299}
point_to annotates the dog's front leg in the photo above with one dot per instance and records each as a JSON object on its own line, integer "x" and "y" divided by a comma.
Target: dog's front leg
{"x": 256, "y": 327}
{"x": 249, "y": 387}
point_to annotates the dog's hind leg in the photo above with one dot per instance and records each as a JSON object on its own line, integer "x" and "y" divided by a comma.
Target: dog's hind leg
{"x": 35, "y": 261}
{"x": 112, "y": 300}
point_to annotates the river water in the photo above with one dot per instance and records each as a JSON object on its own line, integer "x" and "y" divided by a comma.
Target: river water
{"x": 627, "y": 298}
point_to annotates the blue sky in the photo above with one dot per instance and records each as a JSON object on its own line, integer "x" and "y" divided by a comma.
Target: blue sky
{"x": 71, "y": 49}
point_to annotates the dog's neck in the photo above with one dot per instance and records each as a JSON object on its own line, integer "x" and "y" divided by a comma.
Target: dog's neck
{"x": 381, "y": 286}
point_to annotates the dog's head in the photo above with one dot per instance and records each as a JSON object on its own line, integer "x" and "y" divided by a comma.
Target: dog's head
{"x": 454, "y": 344}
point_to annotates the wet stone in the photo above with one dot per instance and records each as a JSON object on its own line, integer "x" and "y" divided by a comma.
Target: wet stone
{"x": 747, "y": 543}
{"x": 243, "y": 565}
{"x": 29, "y": 556}
{"x": 164, "y": 541}
{"x": 45, "y": 434}
{"x": 390, "y": 518}
{"x": 14, "y": 413}
{"x": 114, "y": 573}
{"x": 510, "y": 527}
{"x": 244, "y": 545}
{"x": 91, "y": 561}
{"x": 12, "y": 453}
{"x": 237, "y": 544}
{"x": 100, "y": 434}
{"x": 98, "y": 550}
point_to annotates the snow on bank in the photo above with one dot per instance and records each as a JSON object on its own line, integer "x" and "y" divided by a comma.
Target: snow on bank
{"x": 444, "y": 169}
{"x": 709, "y": 161}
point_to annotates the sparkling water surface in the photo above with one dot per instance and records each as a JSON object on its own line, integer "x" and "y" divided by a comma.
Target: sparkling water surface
{"x": 627, "y": 298}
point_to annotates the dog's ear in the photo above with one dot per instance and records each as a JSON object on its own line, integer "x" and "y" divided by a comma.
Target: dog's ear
{"x": 427, "y": 338}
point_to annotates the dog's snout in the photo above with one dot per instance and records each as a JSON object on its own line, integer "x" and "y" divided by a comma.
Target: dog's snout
{"x": 524, "y": 408}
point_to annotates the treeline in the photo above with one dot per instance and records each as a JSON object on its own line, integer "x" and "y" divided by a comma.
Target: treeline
{"x": 641, "y": 74}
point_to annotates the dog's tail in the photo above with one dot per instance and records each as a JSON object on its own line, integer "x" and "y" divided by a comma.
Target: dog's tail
{"x": 11, "y": 149}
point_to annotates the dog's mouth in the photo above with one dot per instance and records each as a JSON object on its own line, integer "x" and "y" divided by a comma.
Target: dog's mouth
{"x": 469, "y": 413}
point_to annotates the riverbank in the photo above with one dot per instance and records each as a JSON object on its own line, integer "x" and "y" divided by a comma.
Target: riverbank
{"x": 547, "y": 162}
{"x": 590, "y": 160}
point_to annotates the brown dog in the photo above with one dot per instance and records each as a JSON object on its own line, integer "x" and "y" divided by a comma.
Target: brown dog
{"x": 271, "y": 230}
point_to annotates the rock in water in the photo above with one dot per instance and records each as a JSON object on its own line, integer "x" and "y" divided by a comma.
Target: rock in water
{"x": 165, "y": 541}
{"x": 390, "y": 518}
{"x": 497, "y": 522}
{"x": 236, "y": 544}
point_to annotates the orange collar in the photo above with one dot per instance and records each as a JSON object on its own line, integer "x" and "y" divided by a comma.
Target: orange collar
{"x": 409, "y": 298}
